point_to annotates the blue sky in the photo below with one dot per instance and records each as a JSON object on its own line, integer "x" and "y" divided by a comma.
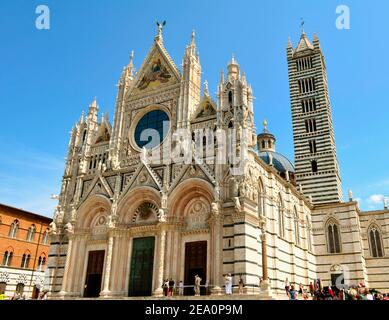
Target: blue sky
{"x": 48, "y": 77}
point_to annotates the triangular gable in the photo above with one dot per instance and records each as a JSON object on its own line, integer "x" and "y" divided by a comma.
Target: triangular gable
{"x": 192, "y": 171}
{"x": 205, "y": 109}
{"x": 156, "y": 70}
{"x": 98, "y": 186}
{"x": 143, "y": 176}
{"x": 304, "y": 44}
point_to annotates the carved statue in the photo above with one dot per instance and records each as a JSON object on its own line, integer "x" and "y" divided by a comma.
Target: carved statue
{"x": 161, "y": 215}
{"x": 214, "y": 209}
{"x": 238, "y": 207}
{"x": 111, "y": 221}
{"x": 164, "y": 193}
{"x": 160, "y": 27}
{"x": 69, "y": 228}
{"x": 53, "y": 228}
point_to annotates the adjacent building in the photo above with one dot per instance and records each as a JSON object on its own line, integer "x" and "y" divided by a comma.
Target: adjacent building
{"x": 24, "y": 247}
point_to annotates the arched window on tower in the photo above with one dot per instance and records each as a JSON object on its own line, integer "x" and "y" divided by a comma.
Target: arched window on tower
{"x": 14, "y": 228}
{"x": 333, "y": 237}
{"x": 375, "y": 242}
{"x": 314, "y": 166}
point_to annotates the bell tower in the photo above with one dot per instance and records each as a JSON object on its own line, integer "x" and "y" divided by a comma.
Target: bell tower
{"x": 316, "y": 163}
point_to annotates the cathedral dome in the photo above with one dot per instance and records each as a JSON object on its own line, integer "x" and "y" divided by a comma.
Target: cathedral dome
{"x": 279, "y": 161}
{"x": 266, "y": 143}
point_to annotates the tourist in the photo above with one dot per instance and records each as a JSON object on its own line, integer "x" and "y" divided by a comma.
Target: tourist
{"x": 292, "y": 293}
{"x": 311, "y": 289}
{"x": 301, "y": 289}
{"x": 368, "y": 294}
{"x": 181, "y": 288}
{"x": 171, "y": 287}
{"x": 287, "y": 286}
{"x": 166, "y": 287}
{"x": 241, "y": 285}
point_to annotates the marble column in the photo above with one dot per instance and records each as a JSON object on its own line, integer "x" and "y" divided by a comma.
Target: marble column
{"x": 161, "y": 262}
{"x": 63, "y": 291}
{"x": 216, "y": 258}
{"x": 108, "y": 264}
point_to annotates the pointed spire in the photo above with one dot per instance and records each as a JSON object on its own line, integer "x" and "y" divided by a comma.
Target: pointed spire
{"x": 264, "y": 124}
{"x": 193, "y": 43}
{"x": 206, "y": 92}
{"x": 191, "y": 48}
{"x": 222, "y": 76}
{"x": 130, "y": 67}
{"x": 233, "y": 69}
{"x": 289, "y": 43}
{"x": 93, "y": 108}
{"x": 82, "y": 117}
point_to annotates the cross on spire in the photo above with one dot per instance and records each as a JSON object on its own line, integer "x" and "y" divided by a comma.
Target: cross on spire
{"x": 302, "y": 25}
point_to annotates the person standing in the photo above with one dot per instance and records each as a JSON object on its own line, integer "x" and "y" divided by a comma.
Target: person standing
{"x": 287, "y": 286}
{"x": 171, "y": 287}
{"x": 292, "y": 294}
{"x": 181, "y": 288}
{"x": 311, "y": 289}
{"x": 197, "y": 285}
{"x": 241, "y": 285}
{"x": 229, "y": 284}
{"x": 166, "y": 287}
{"x": 301, "y": 289}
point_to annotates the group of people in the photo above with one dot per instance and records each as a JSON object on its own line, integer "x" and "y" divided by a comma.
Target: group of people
{"x": 169, "y": 288}
{"x": 18, "y": 296}
{"x": 318, "y": 291}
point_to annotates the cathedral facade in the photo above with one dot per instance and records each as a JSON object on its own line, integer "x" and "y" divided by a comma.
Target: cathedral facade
{"x": 181, "y": 184}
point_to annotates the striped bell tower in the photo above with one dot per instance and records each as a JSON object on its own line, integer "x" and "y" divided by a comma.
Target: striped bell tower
{"x": 317, "y": 169}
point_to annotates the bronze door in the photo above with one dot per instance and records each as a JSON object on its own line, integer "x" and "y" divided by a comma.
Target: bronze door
{"x": 195, "y": 263}
{"x": 142, "y": 262}
{"x": 94, "y": 273}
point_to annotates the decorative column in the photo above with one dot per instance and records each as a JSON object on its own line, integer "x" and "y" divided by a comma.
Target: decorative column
{"x": 215, "y": 224}
{"x": 158, "y": 292}
{"x": 108, "y": 264}
{"x": 69, "y": 232}
{"x": 265, "y": 287}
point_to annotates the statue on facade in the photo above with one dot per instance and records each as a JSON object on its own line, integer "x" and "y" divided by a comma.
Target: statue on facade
{"x": 161, "y": 215}
{"x": 69, "y": 228}
{"x": 52, "y": 228}
{"x": 111, "y": 221}
{"x": 238, "y": 207}
{"x": 215, "y": 209}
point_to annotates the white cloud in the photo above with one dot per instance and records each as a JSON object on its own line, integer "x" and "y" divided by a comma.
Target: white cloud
{"x": 376, "y": 198}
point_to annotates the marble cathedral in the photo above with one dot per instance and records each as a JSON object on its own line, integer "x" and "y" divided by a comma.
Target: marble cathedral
{"x": 123, "y": 224}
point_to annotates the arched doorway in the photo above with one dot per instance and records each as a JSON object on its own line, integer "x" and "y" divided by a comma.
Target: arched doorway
{"x": 195, "y": 263}
{"x": 94, "y": 273}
